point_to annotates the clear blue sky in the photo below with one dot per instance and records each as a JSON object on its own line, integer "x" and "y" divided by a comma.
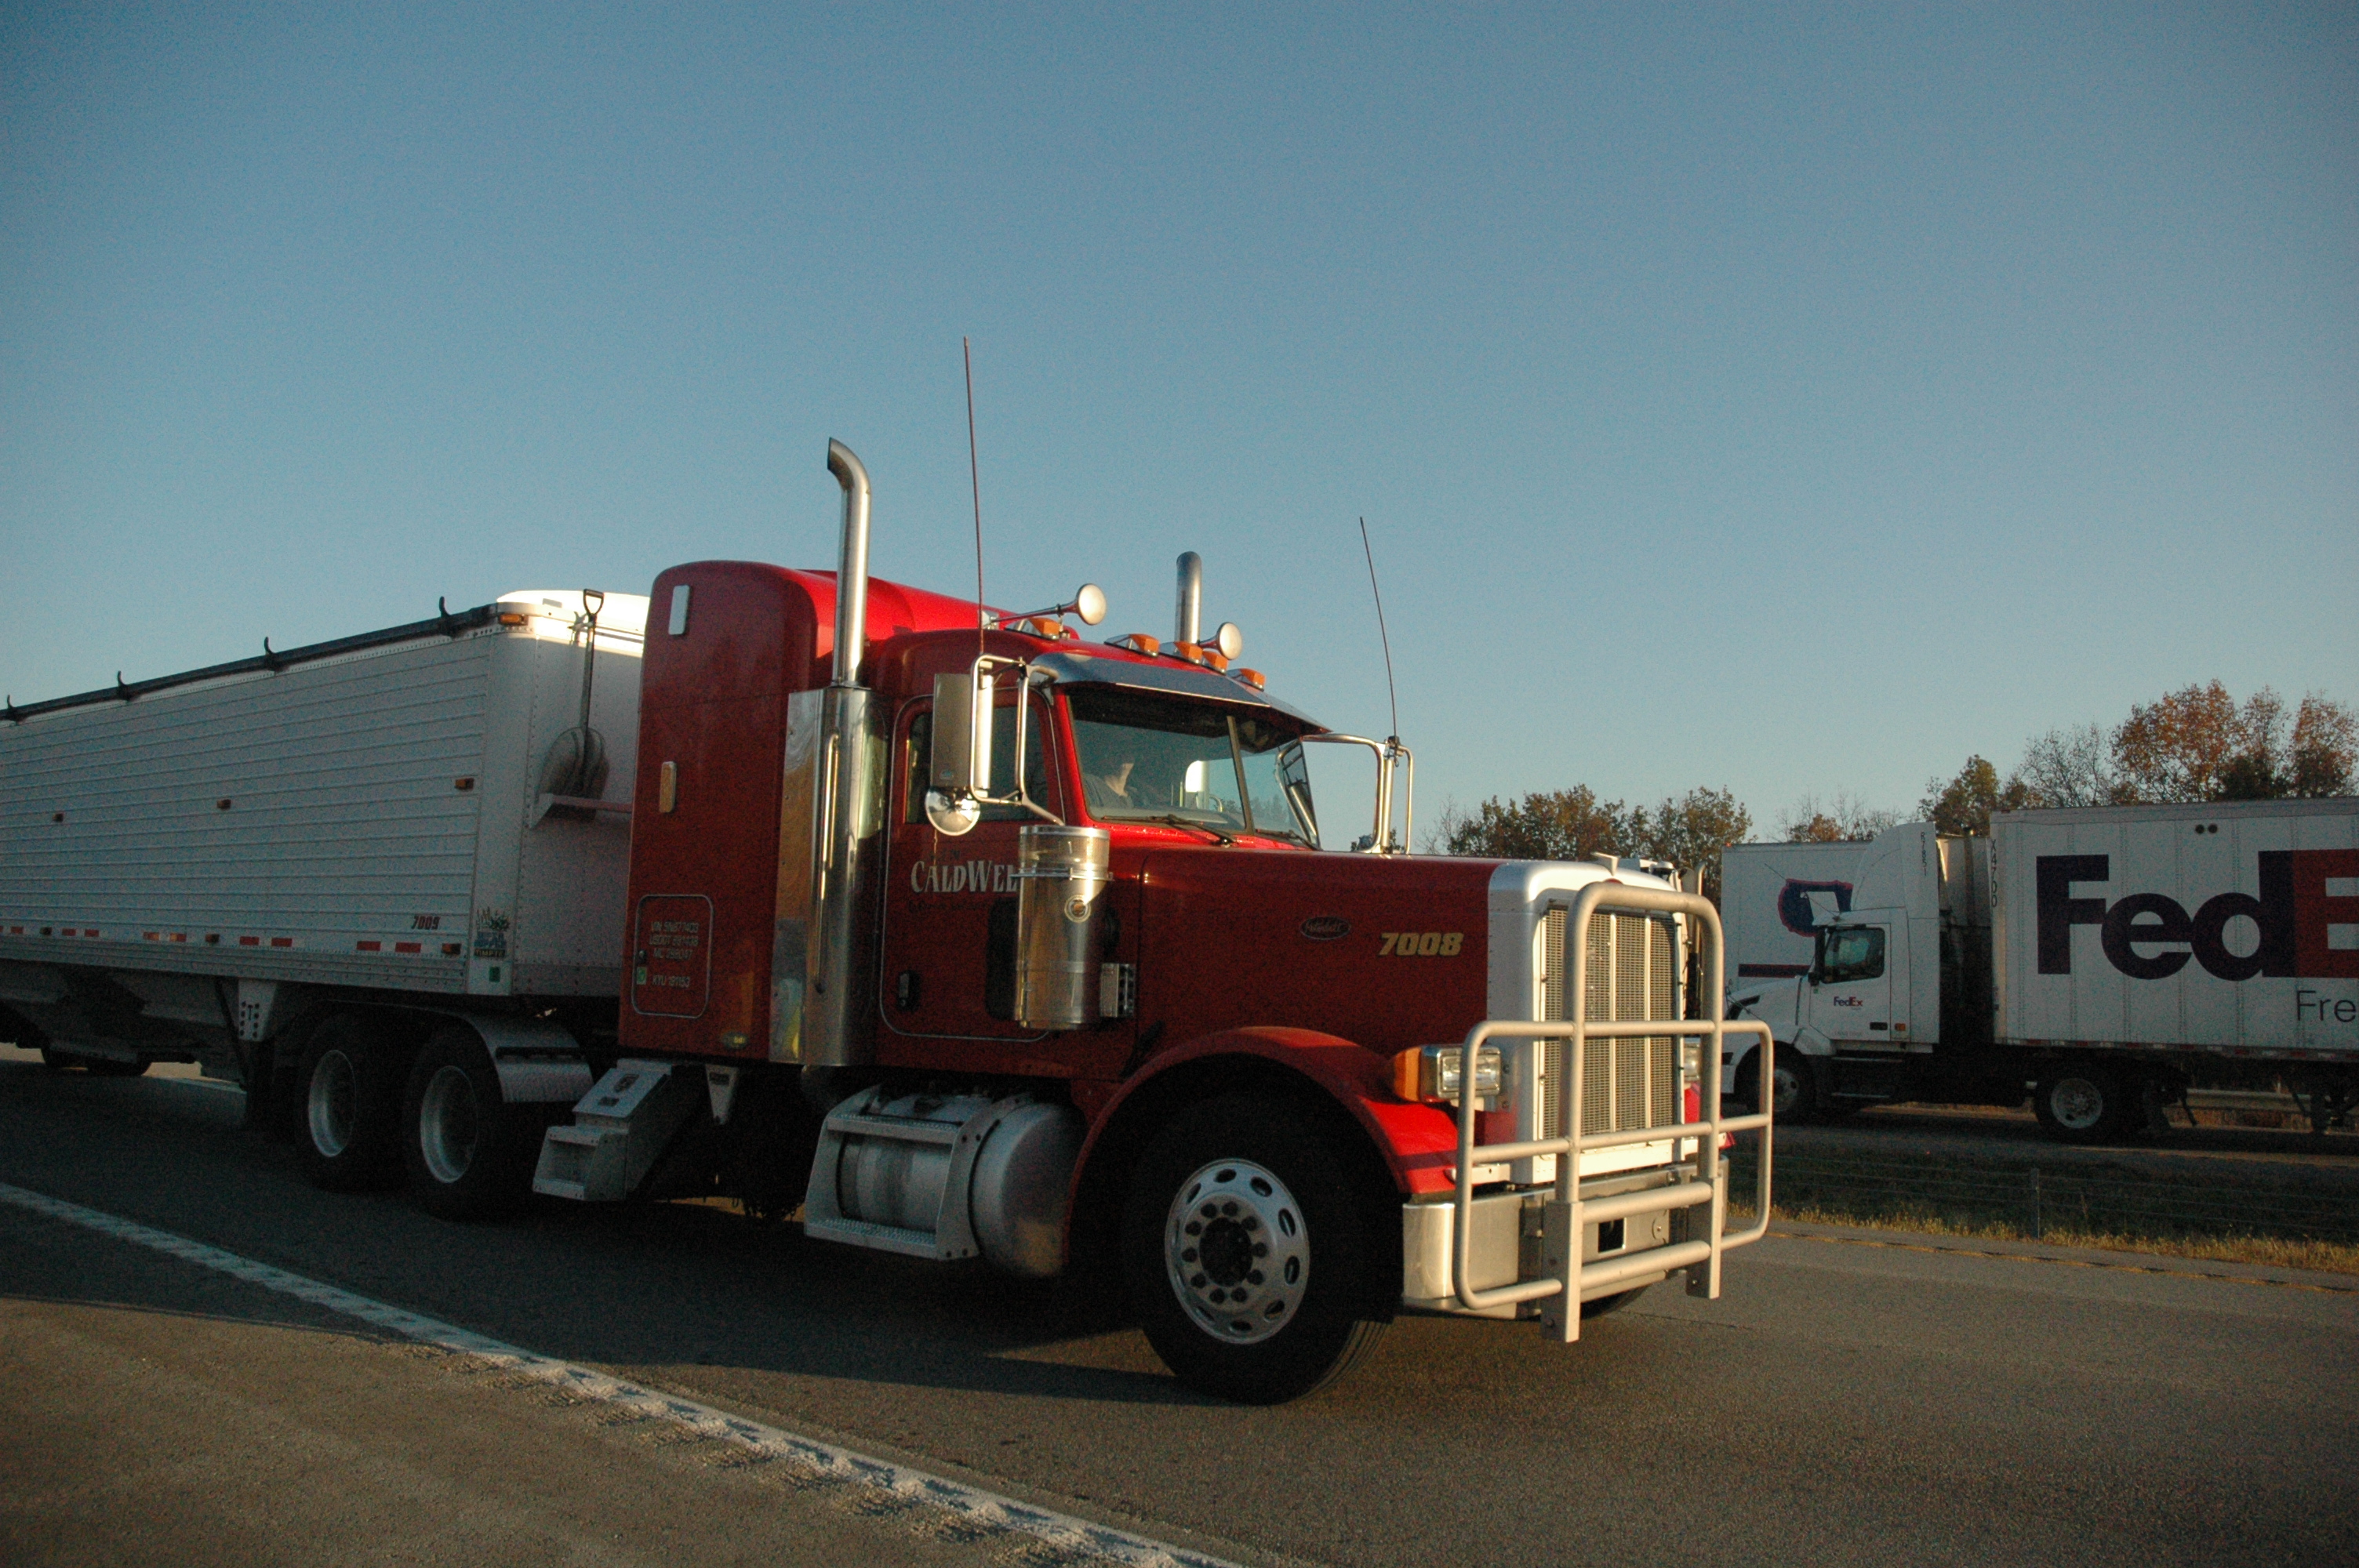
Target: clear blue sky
{"x": 1783, "y": 399}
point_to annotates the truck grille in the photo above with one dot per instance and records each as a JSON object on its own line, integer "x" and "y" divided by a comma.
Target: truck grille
{"x": 1625, "y": 1084}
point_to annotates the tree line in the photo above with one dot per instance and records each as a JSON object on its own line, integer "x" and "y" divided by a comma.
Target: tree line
{"x": 2196, "y": 744}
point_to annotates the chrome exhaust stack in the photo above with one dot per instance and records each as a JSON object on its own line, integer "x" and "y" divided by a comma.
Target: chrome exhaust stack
{"x": 852, "y": 566}
{"x": 846, "y": 789}
{"x": 1188, "y": 623}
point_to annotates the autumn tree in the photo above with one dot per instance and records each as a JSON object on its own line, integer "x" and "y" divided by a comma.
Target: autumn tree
{"x": 2068, "y": 767}
{"x": 1691, "y": 831}
{"x": 2200, "y": 743}
{"x": 1963, "y": 806}
{"x": 1688, "y": 831}
{"x": 1845, "y": 818}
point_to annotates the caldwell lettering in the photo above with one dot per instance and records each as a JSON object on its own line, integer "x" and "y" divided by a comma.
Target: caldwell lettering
{"x": 963, "y": 876}
{"x": 2292, "y": 918}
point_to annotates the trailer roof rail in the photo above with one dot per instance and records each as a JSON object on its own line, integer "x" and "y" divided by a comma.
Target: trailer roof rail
{"x": 446, "y": 622}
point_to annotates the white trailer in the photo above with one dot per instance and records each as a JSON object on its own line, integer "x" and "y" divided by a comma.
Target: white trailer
{"x": 2107, "y": 960}
{"x": 1774, "y": 898}
{"x": 401, "y": 824}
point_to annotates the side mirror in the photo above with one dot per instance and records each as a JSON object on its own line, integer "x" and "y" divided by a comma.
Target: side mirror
{"x": 960, "y": 767}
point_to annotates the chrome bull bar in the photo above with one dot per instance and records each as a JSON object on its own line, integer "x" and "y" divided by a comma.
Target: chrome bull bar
{"x": 1564, "y": 1277}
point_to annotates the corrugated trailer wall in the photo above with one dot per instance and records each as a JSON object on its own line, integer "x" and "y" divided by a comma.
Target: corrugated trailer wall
{"x": 366, "y": 820}
{"x": 2230, "y": 927}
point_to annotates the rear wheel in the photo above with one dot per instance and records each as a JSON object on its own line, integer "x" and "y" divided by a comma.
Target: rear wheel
{"x": 2077, "y": 1103}
{"x": 466, "y": 1153}
{"x": 1244, "y": 1253}
{"x": 349, "y": 1107}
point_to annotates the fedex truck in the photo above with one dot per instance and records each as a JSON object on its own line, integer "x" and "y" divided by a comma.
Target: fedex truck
{"x": 2103, "y": 960}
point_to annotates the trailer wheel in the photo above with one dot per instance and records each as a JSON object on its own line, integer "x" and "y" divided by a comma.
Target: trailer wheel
{"x": 464, "y": 1151}
{"x": 1244, "y": 1254}
{"x": 2080, "y": 1104}
{"x": 348, "y": 1108}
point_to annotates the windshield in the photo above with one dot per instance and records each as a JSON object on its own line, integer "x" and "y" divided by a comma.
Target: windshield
{"x": 1158, "y": 758}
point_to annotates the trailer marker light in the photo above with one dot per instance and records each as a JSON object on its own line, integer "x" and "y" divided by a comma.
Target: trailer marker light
{"x": 222, "y": 805}
{"x": 514, "y": 618}
{"x": 449, "y": 949}
{"x": 409, "y": 948}
{"x": 463, "y": 784}
{"x": 368, "y": 946}
{"x": 249, "y": 941}
{"x": 282, "y": 941}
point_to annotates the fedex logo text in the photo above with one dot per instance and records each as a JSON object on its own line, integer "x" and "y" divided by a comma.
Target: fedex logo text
{"x": 2150, "y": 935}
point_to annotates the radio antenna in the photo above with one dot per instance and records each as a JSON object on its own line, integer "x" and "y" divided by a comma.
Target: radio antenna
{"x": 974, "y": 479}
{"x": 1392, "y": 695}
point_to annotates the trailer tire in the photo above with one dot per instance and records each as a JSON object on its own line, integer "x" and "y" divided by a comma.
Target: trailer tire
{"x": 2077, "y": 1103}
{"x": 1241, "y": 1168}
{"x": 466, "y": 1153}
{"x": 347, "y": 1105}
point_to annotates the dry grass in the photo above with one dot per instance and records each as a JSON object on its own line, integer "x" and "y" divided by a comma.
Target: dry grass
{"x": 2277, "y": 1251}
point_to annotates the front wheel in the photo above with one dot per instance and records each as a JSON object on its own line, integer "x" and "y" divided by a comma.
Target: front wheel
{"x": 1244, "y": 1253}
{"x": 466, "y": 1153}
{"x": 2081, "y": 1104}
{"x": 1793, "y": 1087}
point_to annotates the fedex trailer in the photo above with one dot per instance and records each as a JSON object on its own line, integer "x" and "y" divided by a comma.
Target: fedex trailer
{"x": 2104, "y": 960}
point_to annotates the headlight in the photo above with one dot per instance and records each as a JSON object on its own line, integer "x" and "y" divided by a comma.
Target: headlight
{"x": 1431, "y": 1074}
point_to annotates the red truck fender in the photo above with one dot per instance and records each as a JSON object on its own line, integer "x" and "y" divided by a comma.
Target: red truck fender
{"x": 1416, "y": 1144}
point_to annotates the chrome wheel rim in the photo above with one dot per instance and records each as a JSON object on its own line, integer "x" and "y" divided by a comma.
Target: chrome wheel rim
{"x": 450, "y": 1124}
{"x": 1236, "y": 1251}
{"x": 2076, "y": 1103}
{"x": 330, "y": 1103}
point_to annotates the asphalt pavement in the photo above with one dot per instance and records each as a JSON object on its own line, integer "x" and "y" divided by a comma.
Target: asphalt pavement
{"x": 1853, "y": 1398}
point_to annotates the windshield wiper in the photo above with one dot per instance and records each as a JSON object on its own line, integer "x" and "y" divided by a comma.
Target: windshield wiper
{"x": 1175, "y": 820}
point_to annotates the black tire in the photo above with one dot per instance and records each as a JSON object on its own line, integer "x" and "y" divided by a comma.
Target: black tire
{"x": 1606, "y": 1305}
{"x": 257, "y": 1066}
{"x": 1245, "y": 1194}
{"x": 1793, "y": 1084}
{"x": 2077, "y": 1103}
{"x": 466, "y": 1153}
{"x": 348, "y": 1105}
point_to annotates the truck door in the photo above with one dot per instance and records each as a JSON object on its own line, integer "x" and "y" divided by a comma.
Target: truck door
{"x": 946, "y": 969}
{"x": 1853, "y": 985}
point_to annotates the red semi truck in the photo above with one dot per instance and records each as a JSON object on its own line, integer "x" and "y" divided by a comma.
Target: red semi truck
{"x": 954, "y": 934}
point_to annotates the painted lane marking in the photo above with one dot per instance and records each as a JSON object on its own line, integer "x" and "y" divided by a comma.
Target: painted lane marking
{"x": 987, "y": 1512}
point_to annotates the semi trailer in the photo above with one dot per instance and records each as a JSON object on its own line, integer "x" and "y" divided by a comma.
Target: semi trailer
{"x": 2101, "y": 961}
{"x": 939, "y": 929}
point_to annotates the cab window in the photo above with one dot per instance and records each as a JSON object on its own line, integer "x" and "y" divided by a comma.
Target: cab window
{"x": 1851, "y": 953}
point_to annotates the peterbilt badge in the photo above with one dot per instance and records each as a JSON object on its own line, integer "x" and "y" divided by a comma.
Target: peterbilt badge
{"x": 1326, "y": 927}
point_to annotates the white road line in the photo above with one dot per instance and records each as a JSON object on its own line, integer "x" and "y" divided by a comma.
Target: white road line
{"x": 987, "y": 1511}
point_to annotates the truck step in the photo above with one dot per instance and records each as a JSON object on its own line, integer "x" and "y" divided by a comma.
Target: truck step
{"x": 620, "y": 1128}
